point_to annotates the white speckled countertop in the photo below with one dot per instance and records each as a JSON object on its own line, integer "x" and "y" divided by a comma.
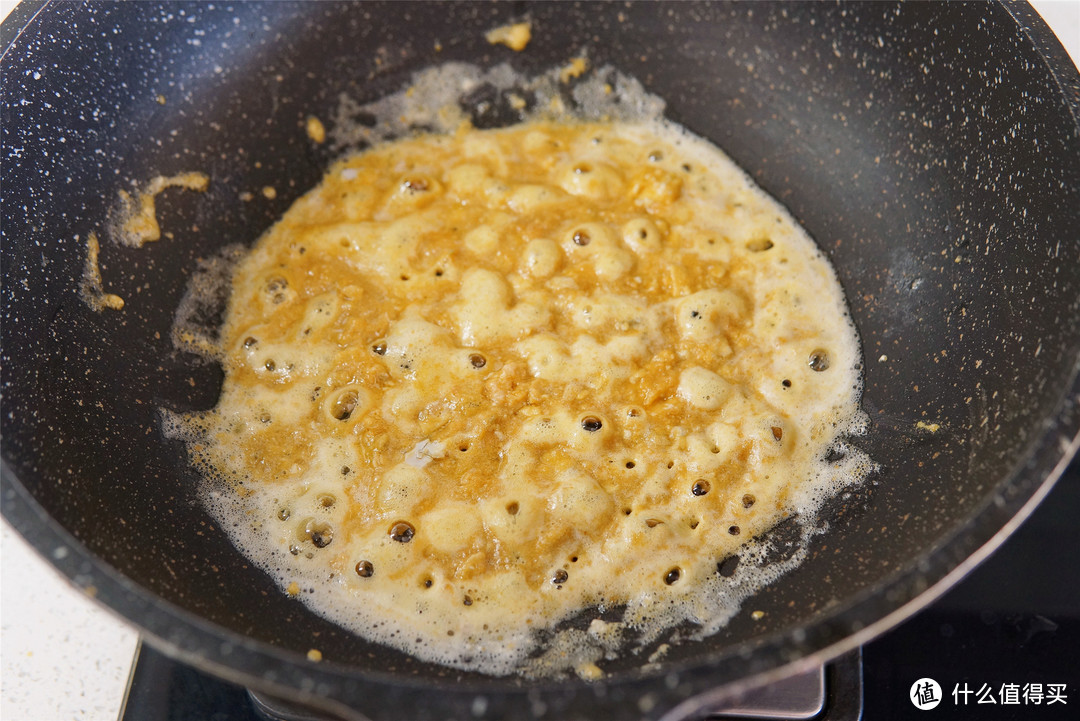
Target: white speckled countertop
{"x": 63, "y": 657}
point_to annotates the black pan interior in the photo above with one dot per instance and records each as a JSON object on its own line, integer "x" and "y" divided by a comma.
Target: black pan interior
{"x": 929, "y": 148}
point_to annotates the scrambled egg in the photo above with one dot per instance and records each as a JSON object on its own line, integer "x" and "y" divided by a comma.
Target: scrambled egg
{"x": 478, "y": 383}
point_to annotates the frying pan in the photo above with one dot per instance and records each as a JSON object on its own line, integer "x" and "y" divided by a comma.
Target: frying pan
{"x": 932, "y": 150}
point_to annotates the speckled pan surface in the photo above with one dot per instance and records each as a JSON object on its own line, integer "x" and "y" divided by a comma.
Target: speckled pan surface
{"x": 932, "y": 150}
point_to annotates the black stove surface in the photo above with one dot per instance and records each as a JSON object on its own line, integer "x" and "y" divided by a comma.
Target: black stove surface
{"x": 1004, "y": 643}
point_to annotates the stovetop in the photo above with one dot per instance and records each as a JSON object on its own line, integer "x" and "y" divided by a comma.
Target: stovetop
{"x": 1004, "y": 643}
{"x": 1003, "y": 635}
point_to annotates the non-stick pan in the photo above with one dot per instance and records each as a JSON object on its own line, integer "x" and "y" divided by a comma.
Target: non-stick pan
{"x": 931, "y": 149}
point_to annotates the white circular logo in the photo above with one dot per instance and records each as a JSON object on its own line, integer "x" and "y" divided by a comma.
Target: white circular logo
{"x": 925, "y": 694}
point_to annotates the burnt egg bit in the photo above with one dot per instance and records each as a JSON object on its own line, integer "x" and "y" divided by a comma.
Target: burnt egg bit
{"x": 530, "y": 352}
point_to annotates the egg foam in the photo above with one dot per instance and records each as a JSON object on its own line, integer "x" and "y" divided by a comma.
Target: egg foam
{"x": 478, "y": 384}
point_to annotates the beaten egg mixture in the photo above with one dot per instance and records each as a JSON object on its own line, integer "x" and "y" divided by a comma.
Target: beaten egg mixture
{"x": 481, "y": 382}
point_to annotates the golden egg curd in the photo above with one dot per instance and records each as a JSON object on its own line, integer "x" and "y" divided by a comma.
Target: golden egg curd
{"x": 480, "y": 383}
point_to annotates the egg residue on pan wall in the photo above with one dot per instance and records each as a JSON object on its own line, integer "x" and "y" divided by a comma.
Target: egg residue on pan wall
{"x": 480, "y": 383}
